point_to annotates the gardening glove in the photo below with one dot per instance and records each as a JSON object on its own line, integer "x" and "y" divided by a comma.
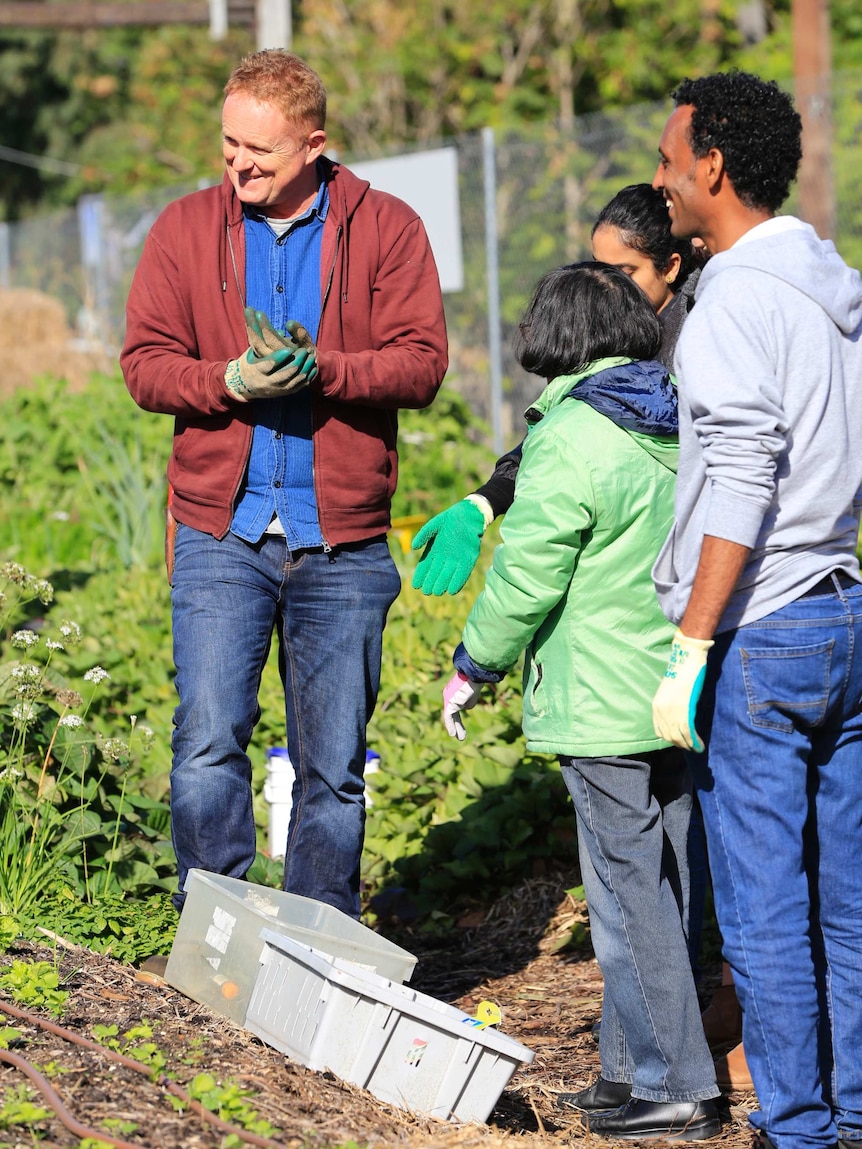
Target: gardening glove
{"x": 274, "y": 365}
{"x": 300, "y": 337}
{"x": 452, "y": 540}
{"x": 459, "y": 694}
{"x": 675, "y": 703}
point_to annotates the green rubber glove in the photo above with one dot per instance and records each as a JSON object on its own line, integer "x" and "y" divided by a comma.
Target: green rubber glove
{"x": 675, "y": 704}
{"x": 275, "y": 364}
{"x": 452, "y": 541}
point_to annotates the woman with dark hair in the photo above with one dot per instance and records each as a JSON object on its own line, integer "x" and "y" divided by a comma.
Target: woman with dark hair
{"x": 571, "y": 585}
{"x": 632, "y": 232}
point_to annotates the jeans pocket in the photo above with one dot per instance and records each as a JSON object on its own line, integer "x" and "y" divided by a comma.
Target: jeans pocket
{"x": 787, "y": 688}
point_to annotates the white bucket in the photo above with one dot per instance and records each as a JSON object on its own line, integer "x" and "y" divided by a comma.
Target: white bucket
{"x": 278, "y": 791}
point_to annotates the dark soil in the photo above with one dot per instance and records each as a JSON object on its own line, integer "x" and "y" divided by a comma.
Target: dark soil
{"x": 549, "y": 1001}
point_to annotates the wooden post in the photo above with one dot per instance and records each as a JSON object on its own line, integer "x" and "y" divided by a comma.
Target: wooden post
{"x": 812, "y": 66}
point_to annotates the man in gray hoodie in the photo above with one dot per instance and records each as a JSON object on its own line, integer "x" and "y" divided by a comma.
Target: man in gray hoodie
{"x": 760, "y": 574}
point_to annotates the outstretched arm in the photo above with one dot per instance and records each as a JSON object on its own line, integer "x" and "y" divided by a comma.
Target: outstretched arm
{"x": 453, "y": 539}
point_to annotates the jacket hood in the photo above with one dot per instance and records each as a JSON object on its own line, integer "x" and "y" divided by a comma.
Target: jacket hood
{"x": 638, "y": 396}
{"x": 799, "y": 257}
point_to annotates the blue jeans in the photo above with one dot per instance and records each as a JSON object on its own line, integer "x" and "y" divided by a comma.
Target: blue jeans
{"x": 633, "y": 817}
{"x": 328, "y": 611}
{"x": 780, "y": 785}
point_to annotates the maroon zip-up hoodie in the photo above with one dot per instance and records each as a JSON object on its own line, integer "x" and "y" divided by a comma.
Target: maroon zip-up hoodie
{"x": 381, "y": 346}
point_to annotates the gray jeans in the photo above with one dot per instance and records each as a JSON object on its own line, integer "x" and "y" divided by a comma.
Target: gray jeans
{"x": 633, "y": 817}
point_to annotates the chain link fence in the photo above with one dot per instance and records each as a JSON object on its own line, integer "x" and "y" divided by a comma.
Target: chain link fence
{"x": 549, "y": 184}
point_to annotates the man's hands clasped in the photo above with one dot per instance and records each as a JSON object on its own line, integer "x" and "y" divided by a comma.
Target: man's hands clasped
{"x": 675, "y": 704}
{"x": 276, "y": 364}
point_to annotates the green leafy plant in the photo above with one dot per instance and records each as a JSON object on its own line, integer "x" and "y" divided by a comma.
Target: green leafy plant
{"x": 65, "y": 815}
{"x": 17, "y": 1107}
{"x": 34, "y": 984}
{"x": 136, "y": 1043}
{"x": 121, "y": 925}
{"x": 8, "y": 1035}
{"x": 230, "y": 1102}
{"x": 112, "y": 1125}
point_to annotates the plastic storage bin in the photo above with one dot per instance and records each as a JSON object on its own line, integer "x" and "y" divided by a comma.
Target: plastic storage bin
{"x": 216, "y": 953}
{"x": 405, "y": 1047}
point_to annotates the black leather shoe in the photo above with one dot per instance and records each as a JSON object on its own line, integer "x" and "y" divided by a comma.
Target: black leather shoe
{"x": 671, "y": 1120}
{"x": 600, "y": 1097}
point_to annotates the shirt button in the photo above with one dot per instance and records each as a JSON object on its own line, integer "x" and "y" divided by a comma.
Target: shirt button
{"x": 276, "y": 484}
{"x": 279, "y": 289}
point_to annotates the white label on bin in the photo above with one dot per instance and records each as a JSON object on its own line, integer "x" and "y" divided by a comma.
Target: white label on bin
{"x": 220, "y": 929}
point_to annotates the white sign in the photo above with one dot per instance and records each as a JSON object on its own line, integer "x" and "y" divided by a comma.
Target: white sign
{"x": 428, "y": 181}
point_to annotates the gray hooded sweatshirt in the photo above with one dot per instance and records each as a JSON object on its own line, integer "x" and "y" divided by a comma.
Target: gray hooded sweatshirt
{"x": 769, "y": 366}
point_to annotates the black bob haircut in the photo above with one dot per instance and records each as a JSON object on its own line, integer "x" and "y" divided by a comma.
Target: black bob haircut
{"x": 755, "y": 127}
{"x": 583, "y": 312}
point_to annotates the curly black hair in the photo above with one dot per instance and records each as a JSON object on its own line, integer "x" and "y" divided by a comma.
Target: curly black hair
{"x": 755, "y": 127}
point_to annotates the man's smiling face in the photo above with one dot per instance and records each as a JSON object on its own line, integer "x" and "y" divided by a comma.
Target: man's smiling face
{"x": 270, "y": 161}
{"x": 680, "y": 176}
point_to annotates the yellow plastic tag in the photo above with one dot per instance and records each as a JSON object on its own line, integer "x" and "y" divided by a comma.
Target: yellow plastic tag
{"x": 487, "y": 1013}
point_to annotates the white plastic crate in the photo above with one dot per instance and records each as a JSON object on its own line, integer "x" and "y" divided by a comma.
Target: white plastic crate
{"x": 216, "y": 952}
{"x": 405, "y": 1047}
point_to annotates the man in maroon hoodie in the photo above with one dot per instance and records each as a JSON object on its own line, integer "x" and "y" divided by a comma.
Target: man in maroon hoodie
{"x": 282, "y": 318}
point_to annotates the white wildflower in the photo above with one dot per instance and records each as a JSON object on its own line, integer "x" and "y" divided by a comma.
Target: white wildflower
{"x": 71, "y": 721}
{"x": 24, "y": 712}
{"x": 114, "y": 748}
{"x": 70, "y": 631}
{"x": 13, "y": 572}
{"x": 44, "y": 591}
{"x": 147, "y": 739}
{"x": 24, "y": 638}
{"x": 52, "y": 644}
{"x": 97, "y": 674}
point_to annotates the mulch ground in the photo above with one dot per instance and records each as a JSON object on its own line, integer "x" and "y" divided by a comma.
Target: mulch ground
{"x": 549, "y": 1001}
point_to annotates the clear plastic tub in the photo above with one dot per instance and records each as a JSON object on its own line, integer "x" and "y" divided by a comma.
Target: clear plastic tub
{"x": 216, "y": 952}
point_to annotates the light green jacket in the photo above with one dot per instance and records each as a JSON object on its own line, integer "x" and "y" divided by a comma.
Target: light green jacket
{"x": 571, "y": 584}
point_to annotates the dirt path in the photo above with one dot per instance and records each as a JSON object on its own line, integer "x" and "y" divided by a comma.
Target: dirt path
{"x": 549, "y": 1002}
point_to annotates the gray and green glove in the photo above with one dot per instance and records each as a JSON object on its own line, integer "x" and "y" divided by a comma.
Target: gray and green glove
{"x": 452, "y": 541}
{"x": 275, "y": 365}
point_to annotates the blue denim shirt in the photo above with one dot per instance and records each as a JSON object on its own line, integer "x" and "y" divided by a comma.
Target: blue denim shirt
{"x": 283, "y": 279}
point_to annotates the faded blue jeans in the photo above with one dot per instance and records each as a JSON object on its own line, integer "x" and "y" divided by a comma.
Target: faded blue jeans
{"x": 633, "y": 818}
{"x": 328, "y": 611}
{"x": 780, "y": 786}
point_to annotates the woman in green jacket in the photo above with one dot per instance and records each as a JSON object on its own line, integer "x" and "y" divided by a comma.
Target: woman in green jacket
{"x": 571, "y": 585}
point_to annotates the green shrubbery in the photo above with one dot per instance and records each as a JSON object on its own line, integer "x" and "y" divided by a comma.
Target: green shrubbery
{"x": 82, "y": 477}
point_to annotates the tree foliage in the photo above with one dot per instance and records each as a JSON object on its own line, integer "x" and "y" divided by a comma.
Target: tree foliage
{"x": 128, "y": 108}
